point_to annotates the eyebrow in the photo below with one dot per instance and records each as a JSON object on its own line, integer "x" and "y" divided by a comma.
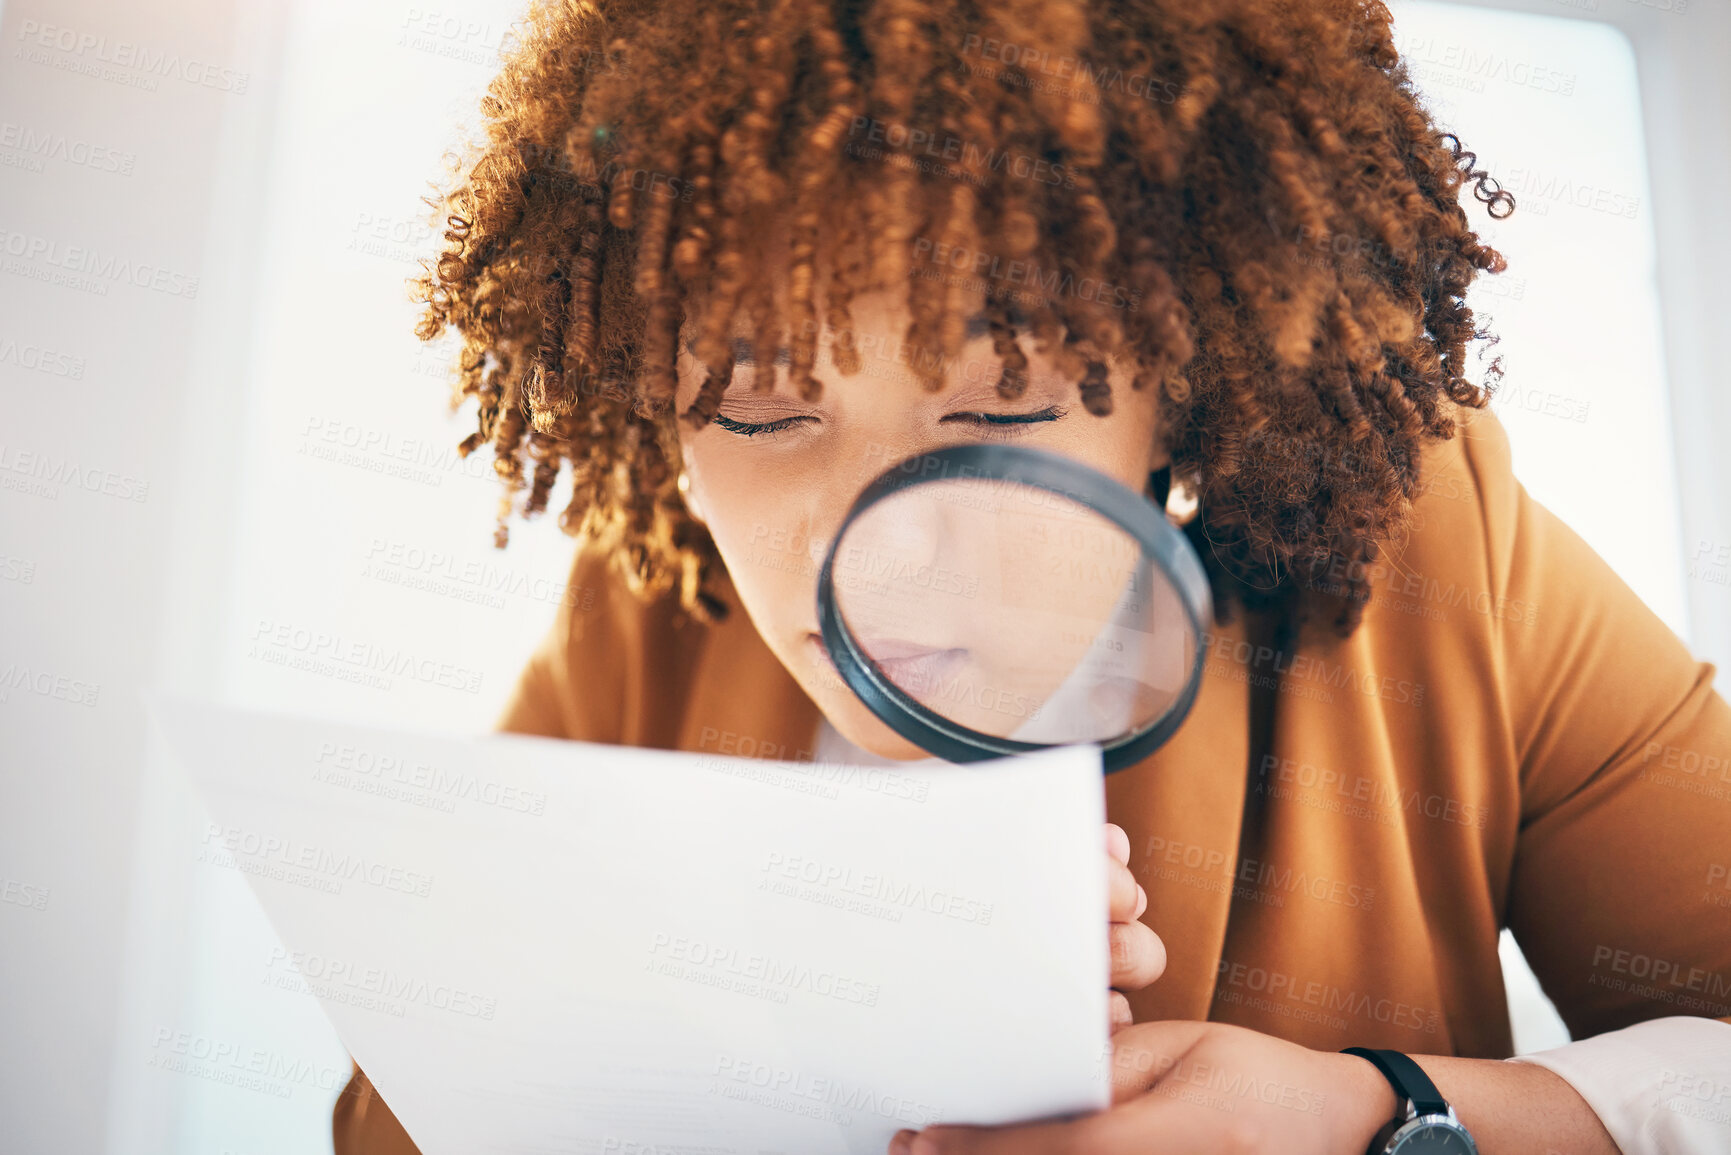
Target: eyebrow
{"x": 976, "y": 326}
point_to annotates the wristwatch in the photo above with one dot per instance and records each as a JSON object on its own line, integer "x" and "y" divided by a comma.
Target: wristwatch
{"x": 1427, "y": 1124}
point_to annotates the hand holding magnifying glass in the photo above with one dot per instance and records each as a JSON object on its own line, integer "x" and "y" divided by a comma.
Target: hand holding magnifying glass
{"x": 1138, "y": 955}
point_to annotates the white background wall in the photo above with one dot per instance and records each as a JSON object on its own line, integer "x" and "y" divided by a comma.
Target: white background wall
{"x": 1549, "y": 106}
{"x": 292, "y": 196}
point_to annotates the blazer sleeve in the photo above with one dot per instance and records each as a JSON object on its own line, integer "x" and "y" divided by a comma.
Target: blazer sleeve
{"x": 1618, "y": 890}
{"x": 541, "y": 703}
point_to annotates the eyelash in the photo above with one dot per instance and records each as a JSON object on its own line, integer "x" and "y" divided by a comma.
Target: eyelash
{"x": 990, "y": 424}
{"x": 1006, "y": 424}
{"x": 750, "y": 429}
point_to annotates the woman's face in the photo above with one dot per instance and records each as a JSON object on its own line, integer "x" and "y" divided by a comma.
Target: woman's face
{"x": 773, "y": 476}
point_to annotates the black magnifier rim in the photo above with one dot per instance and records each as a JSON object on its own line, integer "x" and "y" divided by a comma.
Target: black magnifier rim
{"x": 1160, "y": 540}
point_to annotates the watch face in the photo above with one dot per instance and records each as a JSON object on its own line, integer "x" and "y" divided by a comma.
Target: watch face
{"x": 1422, "y": 1137}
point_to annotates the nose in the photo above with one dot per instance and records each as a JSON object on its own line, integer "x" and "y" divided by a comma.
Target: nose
{"x": 857, "y": 463}
{"x": 899, "y": 573}
{"x": 908, "y": 528}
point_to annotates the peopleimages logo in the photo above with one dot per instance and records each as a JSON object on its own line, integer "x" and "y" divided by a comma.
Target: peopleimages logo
{"x": 40, "y": 359}
{"x": 1043, "y": 284}
{"x": 1690, "y": 988}
{"x": 877, "y": 887}
{"x": 253, "y": 1068}
{"x": 40, "y": 145}
{"x": 325, "y": 652}
{"x": 1075, "y": 76}
{"x": 358, "y": 768}
{"x": 759, "y": 975}
{"x": 1358, "y": 796}
{"x": 947, "y": 155}
{"x": 1316, "y": 671}
{"x": 89, "y": 269}
{"x": 798, "y": 1093}
{"x": 1326, "y": 998}
{"x": 23, "y": 894}
{"x": 376, "y": 987}
{"x": 18, "y": 678}
{"x": 51, "y": 472}
{"x": 1163, "y": 858}
{"x": 329, "y": 868}
{"x": 87, "y": 52}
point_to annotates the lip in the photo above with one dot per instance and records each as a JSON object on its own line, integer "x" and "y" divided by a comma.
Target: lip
{"x": 912, "y": 666}
{"x": 920, "y": 674}
{"x": 882, "y": 650}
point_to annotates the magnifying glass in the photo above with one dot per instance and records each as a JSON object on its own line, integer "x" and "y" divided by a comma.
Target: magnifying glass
{"x": 988, "y": 600}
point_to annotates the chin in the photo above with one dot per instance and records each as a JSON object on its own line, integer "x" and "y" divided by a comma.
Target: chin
{"x": 849, "y": 715}
{"x": 863, "y": 728}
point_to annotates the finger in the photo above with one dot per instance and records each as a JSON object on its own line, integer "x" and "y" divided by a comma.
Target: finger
{"x": 1117, "y": 843}
{"x": 1118, "y": 1014}
{"x": 1138, "y": 955}
{"x": 1139, "y": 1122}
{"x": 1124, "y": 898}
{"x": 1098, "y": 1134}
{"x": 1176, "y": 1119}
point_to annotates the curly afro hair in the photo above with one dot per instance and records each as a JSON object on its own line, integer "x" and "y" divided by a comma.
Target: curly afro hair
{"x": 1275, "y": 214}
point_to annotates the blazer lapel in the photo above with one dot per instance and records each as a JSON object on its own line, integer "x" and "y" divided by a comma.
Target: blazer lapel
{"x": 1181, "y": 807}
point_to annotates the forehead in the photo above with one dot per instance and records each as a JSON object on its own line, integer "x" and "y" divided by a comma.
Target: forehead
{"x": 886, "y": 372}
{"x": 868, "y": 309}
{"x": 880, "y": 322}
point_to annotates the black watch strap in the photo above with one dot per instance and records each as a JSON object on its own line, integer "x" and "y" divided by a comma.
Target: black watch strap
{"x": 1408, "y": 1079}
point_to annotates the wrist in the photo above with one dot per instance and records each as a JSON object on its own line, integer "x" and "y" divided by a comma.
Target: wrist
{"x": 1366, "y": 1103}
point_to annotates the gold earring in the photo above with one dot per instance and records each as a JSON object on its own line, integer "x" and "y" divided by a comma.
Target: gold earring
{"x": 1182, "y": 504}
{"x": 684, "y": 486}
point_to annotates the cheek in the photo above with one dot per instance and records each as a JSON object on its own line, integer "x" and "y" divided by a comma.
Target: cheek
{"x": 757, "y": 513}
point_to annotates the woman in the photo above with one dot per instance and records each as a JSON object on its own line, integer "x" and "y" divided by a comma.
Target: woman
{"x": 726, "y": 262}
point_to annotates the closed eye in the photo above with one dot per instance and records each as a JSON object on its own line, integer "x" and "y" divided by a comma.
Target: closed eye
{"x": 1004, "y": 424}
{"x": 991, "y": 424}
{"x": 753, "y": 428}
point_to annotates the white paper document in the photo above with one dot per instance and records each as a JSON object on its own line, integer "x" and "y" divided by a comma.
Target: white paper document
{"x": 539, "y": 946}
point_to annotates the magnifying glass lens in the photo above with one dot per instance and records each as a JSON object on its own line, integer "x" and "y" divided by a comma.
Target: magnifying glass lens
{"x": 1011, "y": 611}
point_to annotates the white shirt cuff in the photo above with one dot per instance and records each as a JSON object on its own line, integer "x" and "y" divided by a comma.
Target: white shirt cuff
{"x": 1662, "y": 1087}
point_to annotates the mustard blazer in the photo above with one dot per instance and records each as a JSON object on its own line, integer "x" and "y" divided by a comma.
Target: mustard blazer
{"x": 1333, "y": 840}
